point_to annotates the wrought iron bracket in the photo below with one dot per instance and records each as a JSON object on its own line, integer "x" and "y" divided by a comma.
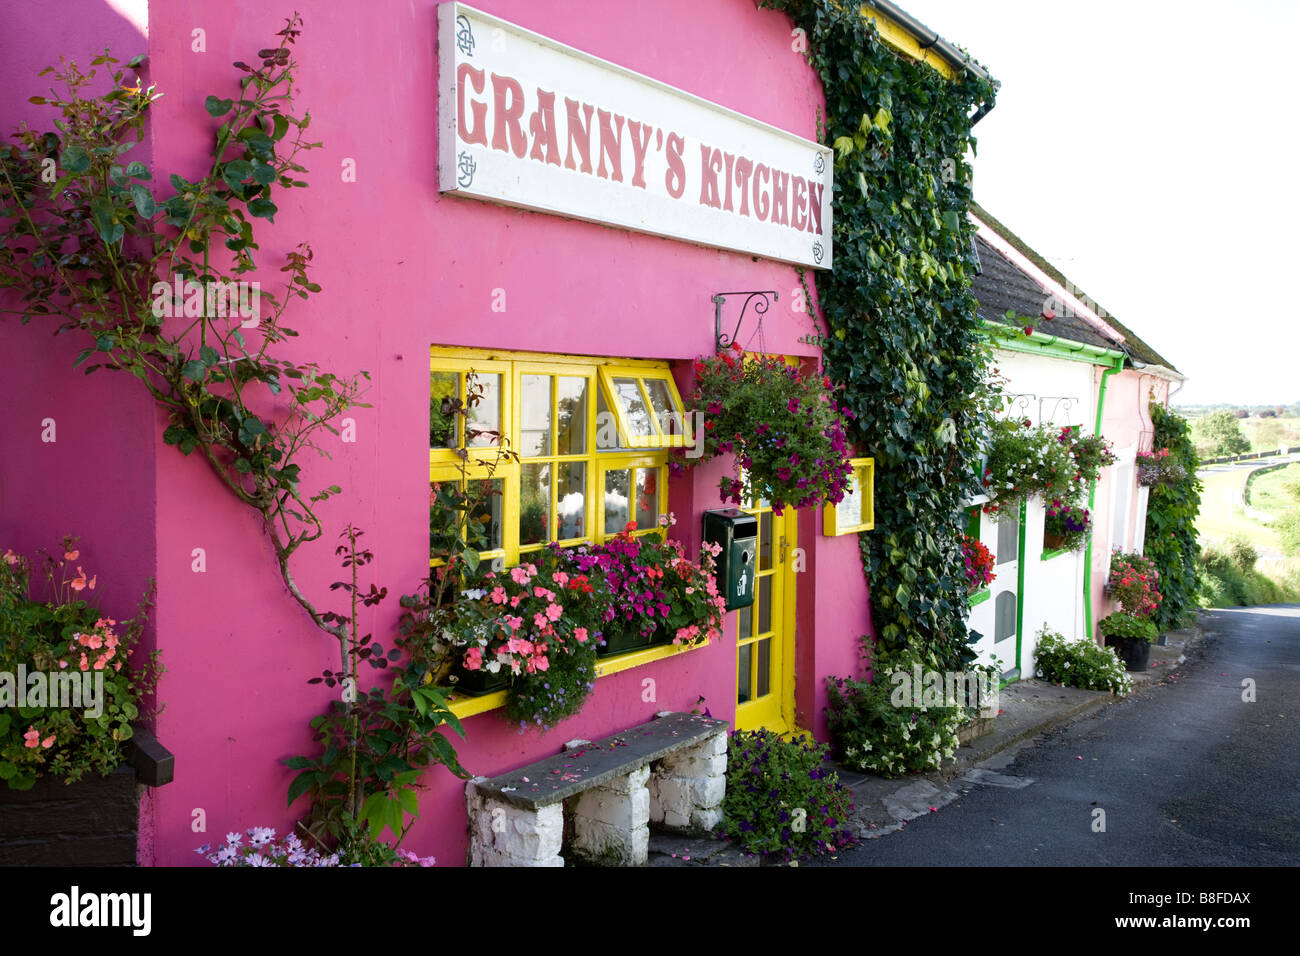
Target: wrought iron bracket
{"x": 1019, "y": 402}
{"x": 723, "y": 341}
{"x": 1064, "y": 403}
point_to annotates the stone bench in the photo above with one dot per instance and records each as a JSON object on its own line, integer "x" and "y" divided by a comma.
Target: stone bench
{"x": 671, "y": 770}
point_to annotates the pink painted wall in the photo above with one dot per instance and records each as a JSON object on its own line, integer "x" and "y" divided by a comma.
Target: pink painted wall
{"x": 95, "y": 479}
{"x": 403, "y": 269}
{"x": 1125, "y": 421}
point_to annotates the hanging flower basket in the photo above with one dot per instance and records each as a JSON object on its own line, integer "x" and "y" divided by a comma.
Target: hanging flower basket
{"x": 1066, "y": 527}
{"x": 979, "y": 564}
{"x": 1156, "y": 468}
{"x": 785, "y": 428}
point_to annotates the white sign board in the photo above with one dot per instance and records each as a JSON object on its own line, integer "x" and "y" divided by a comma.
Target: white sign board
{"x": 532, "y": 123}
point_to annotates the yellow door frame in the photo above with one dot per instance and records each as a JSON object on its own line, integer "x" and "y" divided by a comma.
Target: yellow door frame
{"x": 775, "y": 710}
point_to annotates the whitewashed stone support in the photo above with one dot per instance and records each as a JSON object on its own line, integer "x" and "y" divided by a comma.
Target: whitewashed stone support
{"x": 611, "y": 822}
{"x": 604, "y": 794}
{"x": 505, "y": 835}
{"x": 687, "y": 787}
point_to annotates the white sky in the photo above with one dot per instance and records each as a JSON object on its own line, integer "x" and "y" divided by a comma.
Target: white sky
{"x": 1151, "y": 151}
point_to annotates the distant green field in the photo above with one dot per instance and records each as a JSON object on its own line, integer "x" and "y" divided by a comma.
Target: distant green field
{"x": 1268, "y": 493}
{"x": 1222, "y": 514}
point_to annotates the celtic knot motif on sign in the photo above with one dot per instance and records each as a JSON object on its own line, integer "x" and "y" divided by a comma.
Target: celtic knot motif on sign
{"x": 464, "y": 36}
{"x": 819, "y": 164}
{"x": 465, "y": 170}
{"x": 818, "y": 251}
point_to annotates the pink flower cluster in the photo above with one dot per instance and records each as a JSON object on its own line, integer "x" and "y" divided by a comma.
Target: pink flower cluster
{"x": 96, "y": 650}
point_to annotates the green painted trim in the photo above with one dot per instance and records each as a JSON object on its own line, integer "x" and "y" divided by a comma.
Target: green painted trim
{"x": 1092, "y": 504}
{"x": 1020, "y": 585}
{"x": 1048, "y": 555}
{"x": 1009, "y": 677}
{"x": 1039, "y": 343}
{"x": 979, "y": 597}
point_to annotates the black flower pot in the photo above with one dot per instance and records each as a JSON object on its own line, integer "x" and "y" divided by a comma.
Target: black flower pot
{"x": 622, "y": 637}
{"x": 1135, "y": 652}
{"x": 620, "y": 640}
{"x": 480, "y": 682}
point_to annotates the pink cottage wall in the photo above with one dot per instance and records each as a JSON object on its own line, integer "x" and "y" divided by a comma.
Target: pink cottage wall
{"x": 403, "y": 269}
{"x": 76, "y": 451}
{"x": 1126, "y": 421}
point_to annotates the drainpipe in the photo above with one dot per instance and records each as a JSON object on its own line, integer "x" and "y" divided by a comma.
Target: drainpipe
{"x": 1092, "y": 503}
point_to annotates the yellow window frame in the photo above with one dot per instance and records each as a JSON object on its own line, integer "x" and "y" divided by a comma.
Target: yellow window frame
{"x": 551, "y": 456}
{"x": 508, "y": 475}
{"x": 623, "y": 461}
{"x": 641, "y": 376}
{"x": 489, "y": 366}
{"x": 484, "y": 462}
{"x": 864, "y": 477}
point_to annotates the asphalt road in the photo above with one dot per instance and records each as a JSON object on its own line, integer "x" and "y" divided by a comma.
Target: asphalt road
{"x": 1186, "y": 772}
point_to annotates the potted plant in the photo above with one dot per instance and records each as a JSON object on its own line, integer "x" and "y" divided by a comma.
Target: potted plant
{"x": 1131, "y": 636}
{"x": 68, "y": 649}
{"x": 979, "y": 564}
{"x": 1133, "y": 582}
{"x": 1156, "y": 468}
{"x": 785, "y": 428}
{"x": 1066, "y": 527}
{"x": 658, "y": 595}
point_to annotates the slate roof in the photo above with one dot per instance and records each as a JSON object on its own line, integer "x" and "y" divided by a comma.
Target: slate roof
{"x": 1002, "y": 285}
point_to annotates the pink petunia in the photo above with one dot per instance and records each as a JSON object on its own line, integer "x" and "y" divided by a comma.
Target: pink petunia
{"x": 553, "y": 611}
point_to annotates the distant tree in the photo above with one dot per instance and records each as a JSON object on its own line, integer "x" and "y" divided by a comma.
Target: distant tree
{"x": 1267, "y": 413}
{"x": 1279, "y": 410}
{"x": 1241, "y": 413}
{"x": 1224, "y": 432}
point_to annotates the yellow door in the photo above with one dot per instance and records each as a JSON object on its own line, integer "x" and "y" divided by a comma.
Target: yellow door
{"x": 765, "y": 648}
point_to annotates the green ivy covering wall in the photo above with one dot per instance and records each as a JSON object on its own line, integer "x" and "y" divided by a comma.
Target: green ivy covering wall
{"x": 1171, "y": 540}
{"x": 902, "y": 334}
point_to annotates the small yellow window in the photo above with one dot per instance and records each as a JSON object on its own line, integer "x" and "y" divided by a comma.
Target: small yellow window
{"x": 857, "y": 511}
{"x": 643, "y": 406}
